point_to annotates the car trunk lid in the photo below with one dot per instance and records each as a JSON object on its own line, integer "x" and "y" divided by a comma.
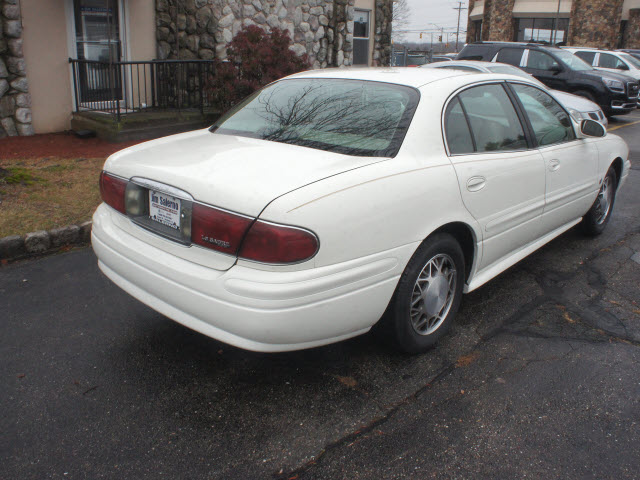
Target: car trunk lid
{"x": 237, "y": 174}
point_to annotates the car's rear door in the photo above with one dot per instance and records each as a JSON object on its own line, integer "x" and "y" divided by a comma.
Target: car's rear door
{"x": 502, "y": 180}
{"x": 570, "y": 163}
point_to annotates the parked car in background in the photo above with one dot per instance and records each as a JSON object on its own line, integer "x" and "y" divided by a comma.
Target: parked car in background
{"x": 635, "y": 52}
{"x": 441, "y": 58}
{"x": 336, "y": 200}
{"x": 610, "y": 61}
{"x": 579, "y": 107}
{"x": 616, "y": 93}
{"x": 417, "y": 59}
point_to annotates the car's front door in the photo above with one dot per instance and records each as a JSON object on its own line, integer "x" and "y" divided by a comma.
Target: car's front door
{"x": 502, "y": 180}
{"x": 546, "y": 69}
{"x": 570, "y": 163}
{"x": 611, "y": 63}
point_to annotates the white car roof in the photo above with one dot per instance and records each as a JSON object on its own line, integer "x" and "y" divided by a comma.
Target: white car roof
{"x": 471, "y": 63}
{"x": 412, "y": 77}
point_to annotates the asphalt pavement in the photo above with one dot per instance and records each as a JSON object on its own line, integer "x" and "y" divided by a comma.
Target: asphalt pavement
{"x": 539, "y": 378}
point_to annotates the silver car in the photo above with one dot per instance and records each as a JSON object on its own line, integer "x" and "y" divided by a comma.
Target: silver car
{"x": 578, "y": 107}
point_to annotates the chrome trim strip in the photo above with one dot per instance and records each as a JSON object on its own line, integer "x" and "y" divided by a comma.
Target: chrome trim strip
{"x": 161, "y": 187}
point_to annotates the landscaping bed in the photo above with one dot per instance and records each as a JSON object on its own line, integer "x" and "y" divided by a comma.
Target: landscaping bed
{"x": 49, "y": 181}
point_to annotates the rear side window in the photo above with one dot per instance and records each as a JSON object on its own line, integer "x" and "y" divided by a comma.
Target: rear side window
{"x": 549, "y": 121}
{"x": 611, "y": 61}
{"x": 586, "y": 56}
{"x": 494, "y": 124}
{"x": 457, "y": 129}
{"x": 474, "y": 52}
{"x": 512, "y": 56}
{"x": 540, "y": 60}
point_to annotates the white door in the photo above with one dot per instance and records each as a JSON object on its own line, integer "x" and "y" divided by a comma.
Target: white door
{"x": 570, "y": 163}
{"x": 502, "y": 181}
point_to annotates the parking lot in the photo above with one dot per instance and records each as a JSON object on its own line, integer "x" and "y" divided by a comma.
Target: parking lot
{"x": 538, "y": 379}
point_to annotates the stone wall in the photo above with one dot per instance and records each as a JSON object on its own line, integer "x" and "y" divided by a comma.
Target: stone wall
{"x": 595, "y": 23}
{"x": 15, "y": 102}
{"x": 631, "y": 37}
{"x": 501, "y": 24}
{"x": 323, "y": 29}
{"x": 382, "y": 33}
{"x": 486, "y": 21}
{"x": 471, "y": 25}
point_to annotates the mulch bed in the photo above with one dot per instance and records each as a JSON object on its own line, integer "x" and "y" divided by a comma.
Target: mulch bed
{"x": 60, "y": 145}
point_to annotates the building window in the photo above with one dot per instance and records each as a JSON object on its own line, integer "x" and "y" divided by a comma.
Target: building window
{"x": 97, "y": 27}
{"x": 97, "y": 30}
{"x": 542, "y": 30}
{"x": 477, "y": 29}
{"x": 361, "y": 28}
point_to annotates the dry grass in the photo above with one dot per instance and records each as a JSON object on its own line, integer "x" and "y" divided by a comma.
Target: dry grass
{"x": 48, "y": 193}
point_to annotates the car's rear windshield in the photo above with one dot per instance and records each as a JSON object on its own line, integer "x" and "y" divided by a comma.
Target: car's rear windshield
{"x": 352, "y": 117}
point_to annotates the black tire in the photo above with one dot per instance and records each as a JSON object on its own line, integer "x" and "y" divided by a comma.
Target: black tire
{"x": 595, "y": 221}
{"x": 398, "y": 326}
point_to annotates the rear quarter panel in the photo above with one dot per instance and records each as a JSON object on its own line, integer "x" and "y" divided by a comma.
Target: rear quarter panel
{"x": 373, "y": 209}
{"x": 393, "y": 203}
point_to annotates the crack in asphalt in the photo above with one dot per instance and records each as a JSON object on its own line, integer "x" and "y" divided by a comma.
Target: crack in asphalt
{"x": 354, "y": 437}
{"x": 517, "y": 324}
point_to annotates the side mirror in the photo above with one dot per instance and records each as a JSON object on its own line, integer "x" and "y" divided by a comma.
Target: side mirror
{"x": 591, "y": 128}
{"x": 555, "y": 69}
{"x": 622, "y": 67}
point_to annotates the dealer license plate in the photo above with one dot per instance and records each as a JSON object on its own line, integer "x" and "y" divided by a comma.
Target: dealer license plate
{"x": 164, "y": 209}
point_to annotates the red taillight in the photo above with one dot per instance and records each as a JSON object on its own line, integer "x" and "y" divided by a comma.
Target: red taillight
{"x": 112, "y": 191}
{"x": 269, "y": 243}
{"x": 217, "y": 229}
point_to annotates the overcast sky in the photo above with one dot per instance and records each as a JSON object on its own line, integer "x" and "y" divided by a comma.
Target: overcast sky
{"x": 424, "y": 13}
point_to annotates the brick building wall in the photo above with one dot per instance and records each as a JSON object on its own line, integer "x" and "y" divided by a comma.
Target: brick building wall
{"x": 631, "y": 38}
{"x": 592, "y": 23}
{"x": 501, "y": 22}
{"x": 471, "y": 25}
{"x": 595, "y": 23}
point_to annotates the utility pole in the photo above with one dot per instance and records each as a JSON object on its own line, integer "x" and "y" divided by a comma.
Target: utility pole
{"x": 459, "y": 8}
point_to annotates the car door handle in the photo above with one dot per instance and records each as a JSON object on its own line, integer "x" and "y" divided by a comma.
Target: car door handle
{"x": 554, "y": 164}
{"x": 476, "y": 183}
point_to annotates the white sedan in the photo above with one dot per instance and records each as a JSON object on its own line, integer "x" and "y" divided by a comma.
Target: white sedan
{"x": 579, "y": 107}
{"x": 333, "y": 201}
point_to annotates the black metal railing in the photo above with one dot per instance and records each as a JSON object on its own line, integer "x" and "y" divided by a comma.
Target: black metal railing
{"x": 120, "y": 88}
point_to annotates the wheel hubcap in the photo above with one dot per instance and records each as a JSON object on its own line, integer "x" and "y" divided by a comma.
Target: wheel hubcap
{"x": 605, "y": 197}
{"x": 433, "y": 294}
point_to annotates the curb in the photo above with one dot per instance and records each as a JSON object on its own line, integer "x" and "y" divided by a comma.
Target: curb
{"x": 15, "y": 247}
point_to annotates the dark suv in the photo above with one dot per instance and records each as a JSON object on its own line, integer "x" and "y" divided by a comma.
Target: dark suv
{"x": 616, "y": 93}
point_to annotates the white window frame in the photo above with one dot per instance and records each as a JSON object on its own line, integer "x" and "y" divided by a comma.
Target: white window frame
{"x": 368, "y": 37}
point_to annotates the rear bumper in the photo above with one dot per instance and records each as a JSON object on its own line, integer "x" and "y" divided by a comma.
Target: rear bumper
{"x": 254, "y": 309}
